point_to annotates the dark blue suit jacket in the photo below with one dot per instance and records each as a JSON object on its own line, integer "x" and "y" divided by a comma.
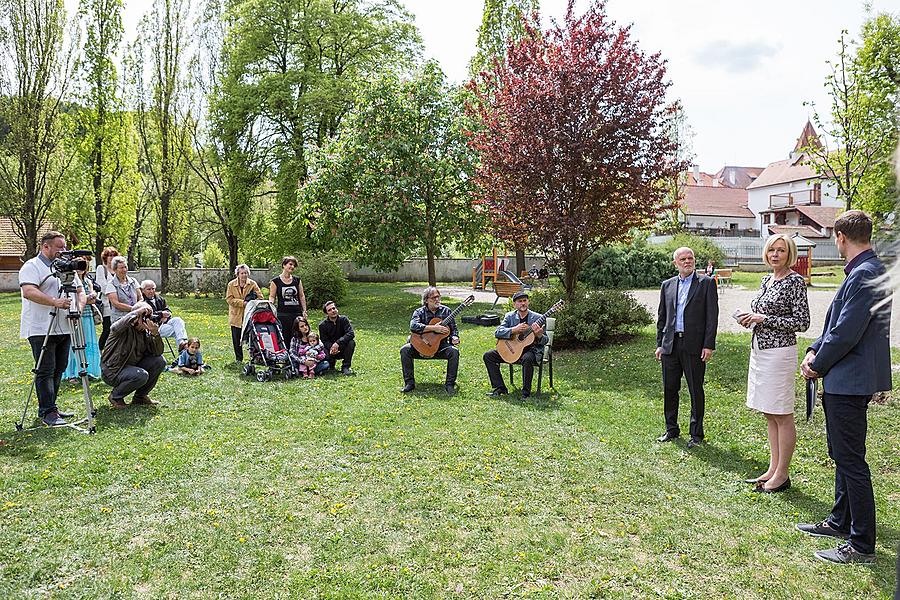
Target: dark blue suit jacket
{"x": 853, "y": 354}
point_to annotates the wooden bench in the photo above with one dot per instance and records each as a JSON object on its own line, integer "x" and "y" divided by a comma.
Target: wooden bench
{"x": 723, "y": 277}
{"x": 505, "y": 289}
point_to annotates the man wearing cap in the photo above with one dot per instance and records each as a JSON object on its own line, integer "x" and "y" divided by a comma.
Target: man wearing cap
{"x": 514, "y": 323}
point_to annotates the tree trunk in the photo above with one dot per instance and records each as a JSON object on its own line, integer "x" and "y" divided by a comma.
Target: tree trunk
{"x": 520, "y": 260}
{"x": 432, "y": 277}
{"x": 97, "y": 184}
{"x": 231, "y": 239}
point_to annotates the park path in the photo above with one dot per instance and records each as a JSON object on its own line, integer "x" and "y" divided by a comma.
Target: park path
{"x": 729, "y": 300}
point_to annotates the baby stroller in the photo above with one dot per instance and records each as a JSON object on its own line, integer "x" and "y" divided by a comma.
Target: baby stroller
{"x": 261, "y": 333}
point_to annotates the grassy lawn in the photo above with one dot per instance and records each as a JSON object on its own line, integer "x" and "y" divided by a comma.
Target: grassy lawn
{"x": 344, "y": 488}
{"x": 826, "y": 277}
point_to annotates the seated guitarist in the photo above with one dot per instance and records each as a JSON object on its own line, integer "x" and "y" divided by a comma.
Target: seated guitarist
{"x": 431, "y": 308}
{"x": 517, "y": 322}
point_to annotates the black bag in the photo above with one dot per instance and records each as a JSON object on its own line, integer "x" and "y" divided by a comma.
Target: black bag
{"x": 486, "y": 319}
{"x": 251, "y": 295}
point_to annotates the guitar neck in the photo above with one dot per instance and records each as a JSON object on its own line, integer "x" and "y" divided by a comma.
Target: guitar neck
{"x": 453, "y": 314}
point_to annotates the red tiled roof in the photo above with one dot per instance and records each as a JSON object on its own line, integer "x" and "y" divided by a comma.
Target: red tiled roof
{"x": 784, "y": 171}
{"x": 808, "y": 137}
{"x": 823, "y": 215}
{"x": 10, "y": 243}
{"x": 715, "y": 201}
{"x": 804, "y": 230}
{"x": 705, "y": 179}
{"x": 738, "y": 177}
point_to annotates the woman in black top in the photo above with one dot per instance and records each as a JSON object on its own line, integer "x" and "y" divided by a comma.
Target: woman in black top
{"x": 287, "y": 291}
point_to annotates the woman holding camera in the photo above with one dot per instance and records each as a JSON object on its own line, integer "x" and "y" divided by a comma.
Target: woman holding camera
{"x": 236, "y": 297}
{"x": 779, "y": 310}
{"x": 89, "y": 327}
{"x": 102, "y": 276}
{"x": 122, "y": 291}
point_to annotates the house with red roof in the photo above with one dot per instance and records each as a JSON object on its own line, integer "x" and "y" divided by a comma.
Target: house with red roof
{"x": 717, "y": 211}
{"x": 790, "y": 197}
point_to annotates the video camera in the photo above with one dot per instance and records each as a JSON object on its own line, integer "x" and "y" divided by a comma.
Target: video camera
{"x": 156, "y": 317}
{"x": 68, "y": 261}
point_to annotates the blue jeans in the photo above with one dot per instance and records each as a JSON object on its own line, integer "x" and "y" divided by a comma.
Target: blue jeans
{"x": 49, "y": 373}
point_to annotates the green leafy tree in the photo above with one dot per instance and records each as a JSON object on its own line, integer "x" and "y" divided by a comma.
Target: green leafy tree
{"x": 862, "y": 129}
{"x": 396, "y": 179}
{"x": 289, "y": 73}
{"x": 34, "y": 80}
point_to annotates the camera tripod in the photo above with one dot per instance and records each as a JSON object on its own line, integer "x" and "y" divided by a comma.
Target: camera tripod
{"x": 76, "y": 335}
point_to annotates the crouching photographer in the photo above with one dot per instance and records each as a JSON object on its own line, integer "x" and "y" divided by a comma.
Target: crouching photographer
{"x": 132, "y": 358}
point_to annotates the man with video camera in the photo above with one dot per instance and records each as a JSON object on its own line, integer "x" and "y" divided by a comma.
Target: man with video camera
{"x": 132, "y": 358}
{"x": 169, "y": 326}
{"x": 41, "y": 300}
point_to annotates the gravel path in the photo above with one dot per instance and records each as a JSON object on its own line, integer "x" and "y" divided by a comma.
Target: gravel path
{"x": 729, "y": 300}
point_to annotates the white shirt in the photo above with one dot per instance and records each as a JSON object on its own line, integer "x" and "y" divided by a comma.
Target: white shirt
{"x": 36, "y": 317}
{"x": 102, "y": 277}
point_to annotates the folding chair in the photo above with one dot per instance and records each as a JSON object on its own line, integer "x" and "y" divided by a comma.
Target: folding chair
{"x": 547, "y": 358}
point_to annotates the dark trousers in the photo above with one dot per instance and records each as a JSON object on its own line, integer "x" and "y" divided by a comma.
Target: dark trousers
{"x": 492, "y": 361}
{"x": 286, "y": 321}
{"x": 104, "y": 332}
{"x": 345, "y": 354}
{"x": 674, "y": 365}
{"x": 140, "y": 378}
{"x": 49, "y": 373}
{"x": 854, "y": 499}
{"x": 236, "y": 342}
{"x": 449, "y": 353}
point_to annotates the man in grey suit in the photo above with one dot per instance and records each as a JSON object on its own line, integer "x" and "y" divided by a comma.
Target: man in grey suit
{"x": 685, "y": 341}
{"x": 853, "y": 358}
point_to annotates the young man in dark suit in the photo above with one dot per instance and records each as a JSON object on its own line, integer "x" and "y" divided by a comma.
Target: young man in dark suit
{"x": 853, "y": 358}
{"x": 685, "y": 341}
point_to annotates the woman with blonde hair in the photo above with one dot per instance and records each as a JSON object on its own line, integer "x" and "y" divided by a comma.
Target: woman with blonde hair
{"x": 779, "y": 310}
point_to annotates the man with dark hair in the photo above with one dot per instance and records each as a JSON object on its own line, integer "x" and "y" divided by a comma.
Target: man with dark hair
{"x": 41, "y": 306}
{"x": 132, "y": 358}
{"x": 336, "y": 334}
{"x": 447, "y": 349}
{"x": 853, "y": 359}
{"x": 517, "y": 322}
{"x": 685, "y": 341}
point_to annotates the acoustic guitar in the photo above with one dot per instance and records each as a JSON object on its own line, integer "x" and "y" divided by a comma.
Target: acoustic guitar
{"x": 511, "y": 350}
{"x": 427, "y": 344}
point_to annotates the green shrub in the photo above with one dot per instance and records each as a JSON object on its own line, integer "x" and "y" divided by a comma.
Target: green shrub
{"x": 213, "y": 282}
{"x": 593, "y": 316}
{"x": 323, "y": 280}
{"x": 704, "y": 249}
{"x": 621, "y": 266}
{"x": 180, "y": 283}
{"x": 213, "y": 257}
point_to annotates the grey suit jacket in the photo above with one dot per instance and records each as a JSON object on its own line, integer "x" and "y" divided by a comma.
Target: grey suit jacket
{"x": 701, "y": 315}
{"x": 853, "y": 354}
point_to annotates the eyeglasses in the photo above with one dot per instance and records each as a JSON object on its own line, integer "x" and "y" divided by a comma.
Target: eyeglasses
{"x": 435, "y": 297}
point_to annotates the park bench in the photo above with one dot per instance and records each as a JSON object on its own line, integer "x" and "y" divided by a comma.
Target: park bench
{"x": 505, "y": 289}
{"x": 723, "y": 277}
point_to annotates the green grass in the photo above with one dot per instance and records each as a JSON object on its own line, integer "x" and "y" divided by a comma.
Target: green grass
{"x": 822, "y": 277}
{"x": 344, "y": 488}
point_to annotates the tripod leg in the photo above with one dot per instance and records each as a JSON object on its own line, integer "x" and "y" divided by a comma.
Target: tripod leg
{"x": 78, "y": 346}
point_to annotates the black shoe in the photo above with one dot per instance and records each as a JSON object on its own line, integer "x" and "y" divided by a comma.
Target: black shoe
{"x": 694, "y": 442}
{"x": 526, "y": 395}
{"x": 347, "y": 371}
{"x": 497, "y": 392}
{"x": 64, "y": 414}
{"x": 53, "y": 419}
{"x": 823, "y": 529}
{"x": 755, "y": 480}
{"x": 667, "y": 437}
{"x": 408, "y": 388}
{"x": 450, "y": 389}
{"x": 761, "y": 488}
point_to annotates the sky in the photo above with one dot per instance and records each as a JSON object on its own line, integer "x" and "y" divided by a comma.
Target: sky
{"x": 743, "y": 70}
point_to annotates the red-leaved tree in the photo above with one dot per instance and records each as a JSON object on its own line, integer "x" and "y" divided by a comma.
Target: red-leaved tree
{"x": 572, "y": 139}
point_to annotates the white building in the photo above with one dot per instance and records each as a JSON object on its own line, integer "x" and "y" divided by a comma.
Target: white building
{"x": 790, "y": 197}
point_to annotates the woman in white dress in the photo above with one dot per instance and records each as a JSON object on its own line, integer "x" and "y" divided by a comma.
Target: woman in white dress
{"x": 779, "y": 310}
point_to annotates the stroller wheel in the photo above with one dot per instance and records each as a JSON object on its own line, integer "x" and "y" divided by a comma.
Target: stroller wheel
{"x": 248, "y": 370}
{"x": 262, "y": 376}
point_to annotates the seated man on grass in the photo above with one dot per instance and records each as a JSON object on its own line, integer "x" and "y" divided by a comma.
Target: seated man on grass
{"x": 169, "y": 326}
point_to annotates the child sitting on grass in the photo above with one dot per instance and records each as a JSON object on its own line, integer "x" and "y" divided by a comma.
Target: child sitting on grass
{"x": 309, "y": 355}
{"x": 190, "y": 361}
